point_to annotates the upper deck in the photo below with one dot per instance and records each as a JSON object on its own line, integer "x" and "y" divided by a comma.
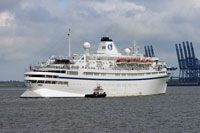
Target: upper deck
{"x": 107, "y": 59}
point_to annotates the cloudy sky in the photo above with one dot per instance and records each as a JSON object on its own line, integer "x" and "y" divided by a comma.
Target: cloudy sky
{"x": 33, "y": 30}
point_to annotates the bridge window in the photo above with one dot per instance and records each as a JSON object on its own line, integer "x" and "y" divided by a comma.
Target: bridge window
{"x": 66, "y": 83}
{"x": 72, "y": 72}
{"x": 48, "y": 76}
{"x": 88, "y": 73}
{"x": 123, "y": 74}
{"x": 154, "y": 73}
{"x": 30, "y": 81}
{"x": 47, "y": 82}
{"x": 54, "y": 82}
{"x": 54, "y": 76}
{"x": 117, "y": 74}
{"x": 33, "y": 81}
{"x": 96, "y": 74}
{"x": 40, "y": 81}
{"x": 103, "y": 74}
{"x": 59, "y": 82}
{"x": 59, "y": 71}
{"x": 39, "y": 76}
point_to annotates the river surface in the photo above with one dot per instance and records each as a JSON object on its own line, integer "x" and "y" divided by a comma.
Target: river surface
{"x": 176, "y": 111}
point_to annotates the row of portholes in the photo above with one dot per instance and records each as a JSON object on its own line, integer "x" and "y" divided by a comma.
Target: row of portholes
{"x": 47, "y": 82}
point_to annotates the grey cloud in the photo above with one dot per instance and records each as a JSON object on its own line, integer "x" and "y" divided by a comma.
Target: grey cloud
{"x": 9, "y": 4}
{"x": 36, "y": 15}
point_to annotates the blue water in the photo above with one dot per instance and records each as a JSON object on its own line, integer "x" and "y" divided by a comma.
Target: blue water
{"x": 176, "y": 111}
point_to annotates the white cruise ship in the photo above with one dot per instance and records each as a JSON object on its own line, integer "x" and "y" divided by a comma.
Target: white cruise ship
{"x": 76, "y": 75}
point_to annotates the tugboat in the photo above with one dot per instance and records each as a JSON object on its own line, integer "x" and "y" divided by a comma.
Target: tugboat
{"x": 98, "y": 92}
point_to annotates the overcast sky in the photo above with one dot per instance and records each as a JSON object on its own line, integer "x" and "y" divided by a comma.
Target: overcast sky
{"x": 33, "y": 30}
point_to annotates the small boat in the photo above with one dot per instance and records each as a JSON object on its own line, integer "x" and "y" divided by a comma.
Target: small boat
{"x": 98, "y": 92}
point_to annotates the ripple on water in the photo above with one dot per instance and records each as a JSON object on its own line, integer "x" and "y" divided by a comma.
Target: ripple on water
{"x": 177, "y": 111}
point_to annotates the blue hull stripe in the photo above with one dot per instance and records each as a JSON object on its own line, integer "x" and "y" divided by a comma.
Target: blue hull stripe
{"x": 112, "y": 79}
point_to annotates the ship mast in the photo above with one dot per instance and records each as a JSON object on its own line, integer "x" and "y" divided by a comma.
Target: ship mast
{"x": 69, "y": 44}
{"x": 135, "y": 48}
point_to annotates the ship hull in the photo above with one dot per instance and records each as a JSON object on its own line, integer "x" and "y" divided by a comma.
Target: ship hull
{"x": 79, "y": 87}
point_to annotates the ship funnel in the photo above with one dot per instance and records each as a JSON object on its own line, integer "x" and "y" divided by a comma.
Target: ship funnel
{"x": 107, "y": 47}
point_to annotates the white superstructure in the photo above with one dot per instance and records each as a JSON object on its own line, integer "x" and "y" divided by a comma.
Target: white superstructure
{"x": 131, "y": 74}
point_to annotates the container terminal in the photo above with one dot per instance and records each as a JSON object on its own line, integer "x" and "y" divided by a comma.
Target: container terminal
{"x": 188, "y": 66}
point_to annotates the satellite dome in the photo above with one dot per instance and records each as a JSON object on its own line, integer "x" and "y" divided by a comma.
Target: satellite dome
{"x": 127, "y": 51}
{"x": 86, "y": 45}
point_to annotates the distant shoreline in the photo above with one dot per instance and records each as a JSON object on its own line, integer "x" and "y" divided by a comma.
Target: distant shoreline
{"x": 12, "y": 84}
{"x": 179, "y": 83}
